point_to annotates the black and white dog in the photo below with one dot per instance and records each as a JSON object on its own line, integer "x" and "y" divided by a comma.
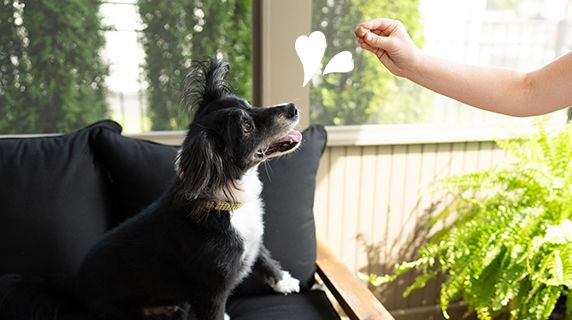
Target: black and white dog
{"x": 203, "y": 236}
{"x": 193, "y": 245}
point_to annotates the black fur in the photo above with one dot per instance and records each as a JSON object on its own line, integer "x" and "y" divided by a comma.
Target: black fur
{"x": 177, "y": 251}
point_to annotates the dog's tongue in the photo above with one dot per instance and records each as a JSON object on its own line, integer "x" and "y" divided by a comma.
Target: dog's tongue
{"x": 293, "y": 135}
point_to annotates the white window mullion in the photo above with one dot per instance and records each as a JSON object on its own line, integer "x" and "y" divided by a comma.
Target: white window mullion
{"x": 278, "y": 73}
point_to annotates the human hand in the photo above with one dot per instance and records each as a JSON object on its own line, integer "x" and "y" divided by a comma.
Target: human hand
{"x": 389, "y": 41}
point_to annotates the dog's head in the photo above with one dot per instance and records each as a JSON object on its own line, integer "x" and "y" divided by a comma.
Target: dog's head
{"x": 228, "y": 137}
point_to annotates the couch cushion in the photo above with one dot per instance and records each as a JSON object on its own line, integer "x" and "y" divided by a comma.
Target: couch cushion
{"x": 311, "y": 305}
{"x": 139, "y": 170}
{"x": 53, "y": 204}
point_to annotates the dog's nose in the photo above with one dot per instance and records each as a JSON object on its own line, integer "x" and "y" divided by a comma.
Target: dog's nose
{"x": 291, "y": 111}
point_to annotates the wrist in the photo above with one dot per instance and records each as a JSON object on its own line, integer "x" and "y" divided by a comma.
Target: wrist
{"x": 415, "y": 67}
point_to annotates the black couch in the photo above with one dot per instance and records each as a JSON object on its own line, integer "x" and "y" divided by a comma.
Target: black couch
{"x": 59, "y": 194}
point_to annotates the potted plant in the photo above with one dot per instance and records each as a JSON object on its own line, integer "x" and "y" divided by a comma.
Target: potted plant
{"x": 507, "y": 250}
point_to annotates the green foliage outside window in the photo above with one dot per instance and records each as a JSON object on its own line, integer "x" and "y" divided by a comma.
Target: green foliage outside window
{"x": 368, "y": 94}
{"x": 51, "y": 73}
{"x": 176, "y": 32}
{"x": 508, "y": 249}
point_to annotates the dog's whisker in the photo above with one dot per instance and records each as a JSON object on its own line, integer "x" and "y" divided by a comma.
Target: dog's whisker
{"x": 267, "y": 169}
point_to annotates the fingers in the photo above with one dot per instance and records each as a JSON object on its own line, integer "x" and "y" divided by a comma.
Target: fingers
{"x": 377, "y": 51}
{"x": 376, "y": 33}
{"x": 366, "y": 46}
{"x": 389, "y": 41}
{"x": 377, "y": 41}
{"x": 371, "y": 38}
{"x": 361, "y": 31}
{"x": 382, "y": 37}
{"x": 381, "y": 24}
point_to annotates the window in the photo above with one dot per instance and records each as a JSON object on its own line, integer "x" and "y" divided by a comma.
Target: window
{"x": 151, "y": 45}
{"x": 522, "y": 34}
{"x": 141, "y": 49}
{"x": 129, "y": 65}
{"x": 126, "y": 85}
{"x": 52, "y": 78}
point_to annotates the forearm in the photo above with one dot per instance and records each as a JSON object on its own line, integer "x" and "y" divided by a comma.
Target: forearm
{"x": 500, "y": 90}
{"x": 489, "y": 88}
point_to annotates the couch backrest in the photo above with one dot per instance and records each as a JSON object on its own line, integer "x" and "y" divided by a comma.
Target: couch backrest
{"x": 122, "y": 175}
{"x": 54, "y": 202}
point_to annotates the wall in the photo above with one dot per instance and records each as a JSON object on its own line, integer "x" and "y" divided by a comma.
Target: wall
{"x": 381, "y": 193}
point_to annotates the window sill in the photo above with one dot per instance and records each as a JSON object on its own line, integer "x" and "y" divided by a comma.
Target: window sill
{"x": 373, "y": 135}
{"x": 370, "y": 135}
{"x": 367, "y": 135}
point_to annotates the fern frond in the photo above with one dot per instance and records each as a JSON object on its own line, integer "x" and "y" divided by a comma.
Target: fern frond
{"x": 568, "y": 304}
{"x": 539, "y": 305}
{"x": 420, "y": 282}
{"x": 506, "y": 248}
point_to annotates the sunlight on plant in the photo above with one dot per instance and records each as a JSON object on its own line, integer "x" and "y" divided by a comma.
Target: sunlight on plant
{"x": 508, "y": 250}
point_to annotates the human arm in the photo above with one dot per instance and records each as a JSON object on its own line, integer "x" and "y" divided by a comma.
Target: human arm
{"x": 495, "y": 89}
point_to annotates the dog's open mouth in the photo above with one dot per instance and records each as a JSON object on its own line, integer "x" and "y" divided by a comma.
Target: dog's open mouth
{"x": 281, "y": 146}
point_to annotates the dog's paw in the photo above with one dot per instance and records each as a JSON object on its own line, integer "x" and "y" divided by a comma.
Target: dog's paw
{"x": 226, "y": 317}
{"x": 287, "y": 284}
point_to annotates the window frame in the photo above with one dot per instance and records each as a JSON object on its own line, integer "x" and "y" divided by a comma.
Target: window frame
{"x": 277, "y": 76}
{"x": 277, "y": 72}
{"x": 273, "y": 81}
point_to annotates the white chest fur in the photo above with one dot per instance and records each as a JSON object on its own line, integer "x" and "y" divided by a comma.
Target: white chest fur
{"x": 248, "y": 219}
{"x": 248, "y": 223}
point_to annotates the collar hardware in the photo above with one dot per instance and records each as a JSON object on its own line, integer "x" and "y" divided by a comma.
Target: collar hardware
{"x": 223, "y": 205}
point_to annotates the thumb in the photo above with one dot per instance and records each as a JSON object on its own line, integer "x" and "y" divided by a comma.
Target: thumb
{"x": 376, "y": 41}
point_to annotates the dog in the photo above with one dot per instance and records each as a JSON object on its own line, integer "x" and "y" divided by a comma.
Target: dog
{"x": 185, "y": 253}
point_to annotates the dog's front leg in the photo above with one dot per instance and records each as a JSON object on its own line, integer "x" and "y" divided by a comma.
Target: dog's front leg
{"x": 207, "y": 307}
{"x": 280, "y": 280}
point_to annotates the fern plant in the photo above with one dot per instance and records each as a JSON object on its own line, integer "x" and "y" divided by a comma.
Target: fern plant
{"x": 507, "y": 251}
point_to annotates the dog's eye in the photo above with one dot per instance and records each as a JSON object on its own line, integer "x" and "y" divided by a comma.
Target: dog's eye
{"x": 247, "y": 127}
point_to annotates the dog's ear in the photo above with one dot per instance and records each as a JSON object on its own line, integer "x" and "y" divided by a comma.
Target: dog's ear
{"x": 200, "y": 166}
{"x": 206, "y": 82}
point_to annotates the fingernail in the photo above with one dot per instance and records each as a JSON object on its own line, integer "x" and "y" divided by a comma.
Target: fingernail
{"x": 368, "y": 36}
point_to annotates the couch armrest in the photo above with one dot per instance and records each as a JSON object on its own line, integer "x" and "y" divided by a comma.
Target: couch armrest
{"x": 354, "y": 298}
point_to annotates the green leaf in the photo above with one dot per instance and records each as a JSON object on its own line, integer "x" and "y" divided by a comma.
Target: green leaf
{"x": 506, "y": 249}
